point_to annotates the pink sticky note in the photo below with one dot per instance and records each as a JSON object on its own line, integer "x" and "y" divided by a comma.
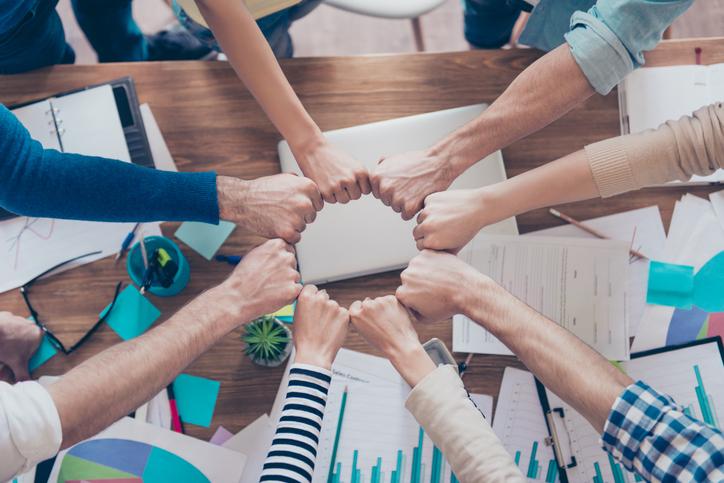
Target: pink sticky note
{"x": 221, "y": 436}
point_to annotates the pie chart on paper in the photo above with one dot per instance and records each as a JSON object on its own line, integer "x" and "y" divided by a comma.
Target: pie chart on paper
{"x": 125, "y": 461}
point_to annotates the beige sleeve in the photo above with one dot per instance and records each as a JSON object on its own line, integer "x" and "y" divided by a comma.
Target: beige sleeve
{"x": 676, "y": 150}
{"x": 441, "y": 405}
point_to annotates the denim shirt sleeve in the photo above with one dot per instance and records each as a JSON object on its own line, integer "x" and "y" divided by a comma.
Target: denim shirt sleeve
{"x": 609, "y": 41}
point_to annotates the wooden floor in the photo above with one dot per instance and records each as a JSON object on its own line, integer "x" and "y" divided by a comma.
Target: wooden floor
{"x": 328, "y": 31}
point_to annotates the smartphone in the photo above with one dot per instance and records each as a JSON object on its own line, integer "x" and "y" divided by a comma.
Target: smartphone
{"x": 439, "y": 354}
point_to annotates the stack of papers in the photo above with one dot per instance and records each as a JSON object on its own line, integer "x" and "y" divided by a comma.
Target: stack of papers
{"x": 644, "y": 230}
{"x": 696, "y": 234}
{"x": 578, "y": 283}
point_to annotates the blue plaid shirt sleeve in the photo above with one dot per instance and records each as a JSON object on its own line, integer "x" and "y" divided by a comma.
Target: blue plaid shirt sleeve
{"x": 650, "y": 434}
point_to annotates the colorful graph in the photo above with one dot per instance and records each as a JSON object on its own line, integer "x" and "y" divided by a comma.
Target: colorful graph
{"x": 694, "y": 324}
{"x": 125, "y": 460}
{"x": 533, "y": 469}
{"x": 417, "y": 469}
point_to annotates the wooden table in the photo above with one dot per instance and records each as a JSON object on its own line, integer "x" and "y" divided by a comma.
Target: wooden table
{"x": 211, "y": 122}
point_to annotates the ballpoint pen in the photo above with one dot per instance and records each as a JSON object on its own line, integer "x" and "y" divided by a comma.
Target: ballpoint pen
{"x": 126, "y": 243}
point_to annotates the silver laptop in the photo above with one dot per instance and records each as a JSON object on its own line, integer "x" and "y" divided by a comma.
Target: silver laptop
{"x": 365, "y": 236}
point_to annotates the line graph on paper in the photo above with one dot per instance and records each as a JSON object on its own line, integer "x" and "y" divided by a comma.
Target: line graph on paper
{"x": 42, "y": 228}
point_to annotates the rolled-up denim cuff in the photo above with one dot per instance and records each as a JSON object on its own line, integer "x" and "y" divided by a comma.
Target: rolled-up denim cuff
{"x": 601, "y": 56}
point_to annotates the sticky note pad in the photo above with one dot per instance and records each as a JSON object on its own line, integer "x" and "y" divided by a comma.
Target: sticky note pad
{"x": 670, "y": 284}
{"x": 204, "y": 238}
{"x": 221, "y": 436}
{"x": 132, "y": 314}
{"x": 43, "y": 354}
{"x": 196, "y": 398}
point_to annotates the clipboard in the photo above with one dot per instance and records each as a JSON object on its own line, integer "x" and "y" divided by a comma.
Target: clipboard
{"x": 129, "y": 112}
{"x": 555, "y": 417}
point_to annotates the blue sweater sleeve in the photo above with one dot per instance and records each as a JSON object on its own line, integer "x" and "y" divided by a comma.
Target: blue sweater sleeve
{"x": 46, "y": 183}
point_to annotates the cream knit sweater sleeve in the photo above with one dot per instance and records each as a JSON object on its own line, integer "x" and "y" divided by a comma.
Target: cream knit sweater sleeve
{"x": 676, "y": 150}
{"x": 441, "y": 405}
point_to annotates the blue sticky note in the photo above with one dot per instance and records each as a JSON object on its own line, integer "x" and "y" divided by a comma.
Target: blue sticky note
{"x": 204, "y": 238}
{"x": 132, "y": 314}
{"x": 709, "y": 285}
{"x": 670, "y": 284}
{"x": 43, "y": 354}
{"x": 196, "y": 398}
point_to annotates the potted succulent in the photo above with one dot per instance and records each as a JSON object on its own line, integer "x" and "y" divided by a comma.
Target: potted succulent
{"x": 267, "y": 341}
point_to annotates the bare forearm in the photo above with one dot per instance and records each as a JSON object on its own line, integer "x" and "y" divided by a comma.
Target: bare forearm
{"x": 553, "y": 354}
{"x": 254, "y": 62}
{"x": 545, "y": 91}
{"x": 115, "y": 382}
{"x": 565, "y": 180}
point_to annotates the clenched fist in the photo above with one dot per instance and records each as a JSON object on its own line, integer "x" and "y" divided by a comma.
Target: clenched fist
{"x": 320, "y": 327}
{"x": 278, "y": 206}
{"x": 265, "y": 280}
{"x": 403, "y": 181}
{"x": 437, "y": 285}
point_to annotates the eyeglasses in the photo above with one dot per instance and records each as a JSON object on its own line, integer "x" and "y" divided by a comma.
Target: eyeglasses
{"x": 24, "y": 290}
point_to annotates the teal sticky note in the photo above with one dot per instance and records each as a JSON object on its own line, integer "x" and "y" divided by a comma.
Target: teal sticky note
{"x": 204, "y": 238}
{"x": 709, "y": 285}
{"x": 196, "y": 398}
{"x": 670, "y": 284}
{"x": 43, "y": 354}
{"x": 132, "y": 314}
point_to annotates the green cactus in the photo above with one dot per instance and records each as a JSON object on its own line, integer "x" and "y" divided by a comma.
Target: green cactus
{"x": 267, "y": 341}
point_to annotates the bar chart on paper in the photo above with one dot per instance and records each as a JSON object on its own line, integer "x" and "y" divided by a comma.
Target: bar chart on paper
{"x": 380, "y": 441}
{"x": 520, "y": 425}
{"x": 693, "y": 376}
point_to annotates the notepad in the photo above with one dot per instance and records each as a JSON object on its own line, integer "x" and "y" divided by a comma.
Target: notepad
{"x": 204, "y": 238}
{"x": 86, "y": 122}
{"x": 651, "y": 96}
{"x": 132, "y": 314}
{"x": 196, "y": 398}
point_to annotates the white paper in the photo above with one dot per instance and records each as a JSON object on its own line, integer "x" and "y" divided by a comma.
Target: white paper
{"x": 89, "y": 124}
{"x": 576, "y": 282}
{"x": 717, "y": 202}
{"x": 218, "y": 464}
{"x": 649, "y": 239}
{"x": 670, "y": 373}
{"x": 253, "y": 442}
{"x": 485, "y": 404}
{"x": 162, "y": 158}
{"x": 519, "y": 420}
{"x": 38, "y": 120}
{"x": 29, "y": 246}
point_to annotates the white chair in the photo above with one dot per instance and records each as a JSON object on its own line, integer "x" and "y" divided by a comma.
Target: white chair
{"x": 392, "y": 9}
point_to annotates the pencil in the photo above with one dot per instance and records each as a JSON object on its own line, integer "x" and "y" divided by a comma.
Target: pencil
{"x": 330, "y": 476}
{"x": 590, "y": 230}
{"x": 126, "y": 242}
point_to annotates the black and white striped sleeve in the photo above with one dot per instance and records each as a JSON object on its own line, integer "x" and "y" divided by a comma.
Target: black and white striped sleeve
{"x": 293, "y": 451}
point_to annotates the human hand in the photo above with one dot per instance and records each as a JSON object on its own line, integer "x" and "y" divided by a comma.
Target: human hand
{"x": 450, "y": 219}
{"x": 404, "y": 180}
{"x": 437, "y": 285}
{"x": 386, "y": 325}
{"x": 320, "y": 327}
{"x": 265, "y": 280}
{"x": 19, "y": 339}
{"x": 339, "y": 176}
{"x": 278, "y": 206}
